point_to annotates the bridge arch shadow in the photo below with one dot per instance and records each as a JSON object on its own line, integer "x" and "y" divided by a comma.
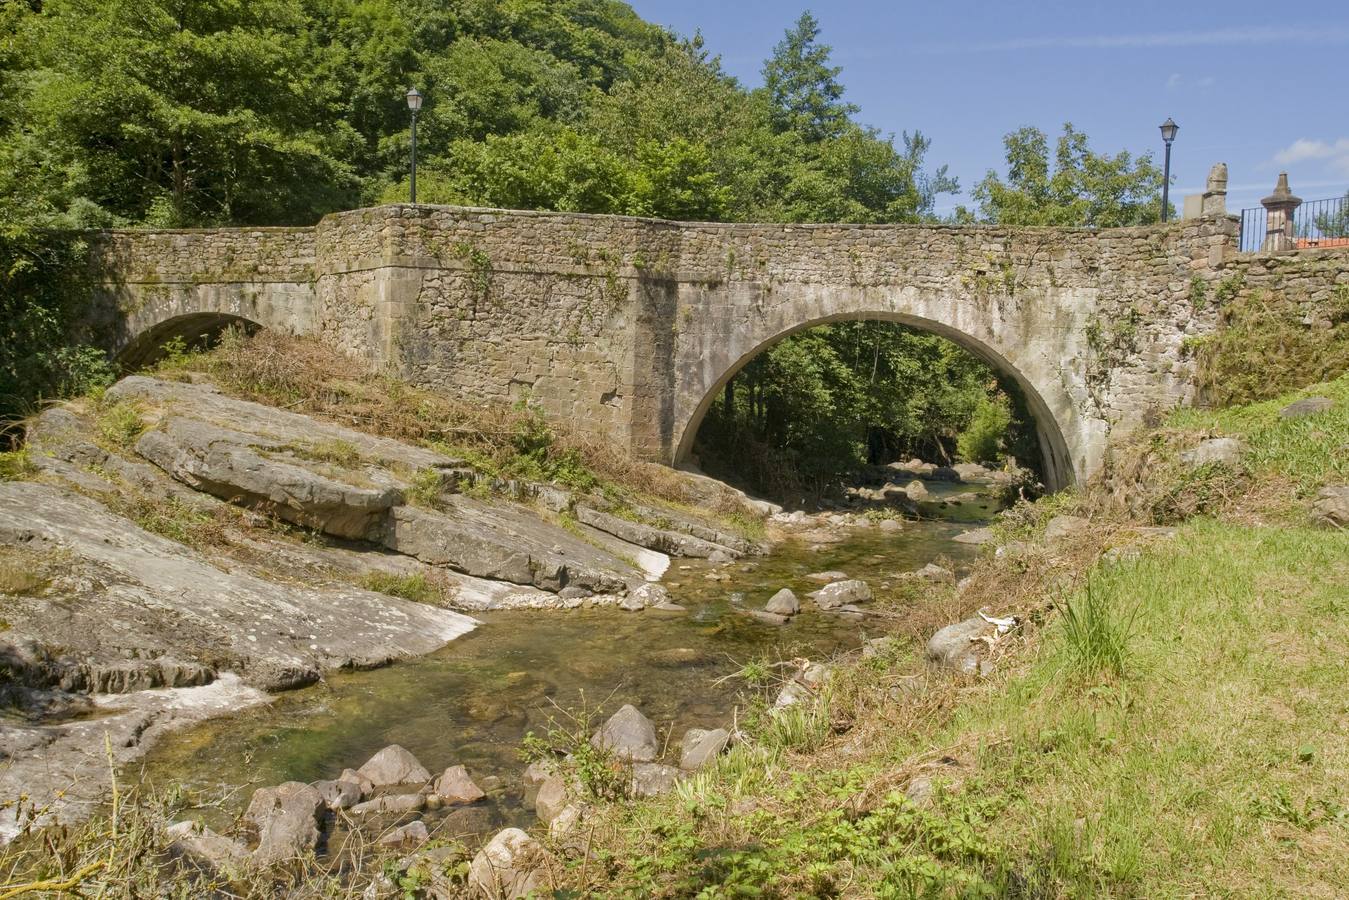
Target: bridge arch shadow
{"x": 1056, "y": 460}
{"x": 196, "y": 330}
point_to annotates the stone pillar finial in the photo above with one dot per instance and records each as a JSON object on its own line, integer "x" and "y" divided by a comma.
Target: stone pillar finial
{"x": 1279, "y": 207}
{"x": 1215, "y": 191}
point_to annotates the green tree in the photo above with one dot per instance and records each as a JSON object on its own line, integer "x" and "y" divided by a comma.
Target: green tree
{"x": 1335, "y": 224}
{"x": 1084, "y": 188}
{"x": 804, "y": 88}
{"x": 178, "y": 112}
{"x": 815, "y": 407}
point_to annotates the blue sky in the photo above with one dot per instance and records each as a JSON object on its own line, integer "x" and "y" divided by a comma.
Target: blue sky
{"x": 1263, "y": 86}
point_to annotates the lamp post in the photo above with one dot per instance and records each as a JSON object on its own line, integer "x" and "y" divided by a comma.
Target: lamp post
{"x": 1169, "y": 130}
{"x": 414, "y": 104}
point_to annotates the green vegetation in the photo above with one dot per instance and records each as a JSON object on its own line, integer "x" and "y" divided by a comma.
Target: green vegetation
{"x": 425, "y": 488}
{"x": 15, "y": 464}
{"x": 1307, "y": 452}
{"x": 120, "y": 424}
{"x": 1265, "y": 345}
{"x": 1173, "y": 731}
{"x": 565, "y": 745}
{"x": 24, "y": 571}
{"x": 1335, "y": 224}
{"x": 817, "y": 406}
{"x": 416, "y": 587}
{"x": 1085, "y": 188}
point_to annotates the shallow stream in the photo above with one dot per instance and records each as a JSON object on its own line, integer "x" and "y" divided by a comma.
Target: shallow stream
{"x": 472, "y": 702}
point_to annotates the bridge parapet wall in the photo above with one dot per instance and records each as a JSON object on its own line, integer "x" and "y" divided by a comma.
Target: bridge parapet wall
{"x": 153, "y": 285}
{"x": 627, "y": 327}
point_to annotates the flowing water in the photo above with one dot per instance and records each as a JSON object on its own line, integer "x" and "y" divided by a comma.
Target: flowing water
{"x": 472, "y": 702}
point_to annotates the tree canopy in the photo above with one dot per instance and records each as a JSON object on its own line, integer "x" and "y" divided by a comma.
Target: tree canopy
{"x": 1083, "y": 188}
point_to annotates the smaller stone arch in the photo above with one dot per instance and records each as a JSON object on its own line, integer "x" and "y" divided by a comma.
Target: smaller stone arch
{"x": 1056, "y": 457}
{"x": 195, "y": 330}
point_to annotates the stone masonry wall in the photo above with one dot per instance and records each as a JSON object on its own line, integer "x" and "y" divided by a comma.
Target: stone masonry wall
{"x": 628, "y": 327}
{"x": 151, "y": 285}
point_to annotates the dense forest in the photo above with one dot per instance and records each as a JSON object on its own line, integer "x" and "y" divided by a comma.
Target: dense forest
{"x": 190, "y": 113}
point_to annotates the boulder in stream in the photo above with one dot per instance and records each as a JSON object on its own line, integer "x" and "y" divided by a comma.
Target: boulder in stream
{"x": 840, "y": 593}
{"x": 646, "y": 595}
{"x": 783, "y": 603}
{"x": 628, "y": 735}
{"x": 455, "y": 787}
{"x": 413, "y": 834}
{"x": 339, "y": 794}
{"x": 933, "y": 573}
{"x": 827, "y": 577}
{"x": 395, "y": 804}
{"x": 393, "y": 765}
{"x": 511, "y": 866}
{"x": 287, "y": 818}
{"x": 701, "y": 747}
{"x": 198, "y": 844}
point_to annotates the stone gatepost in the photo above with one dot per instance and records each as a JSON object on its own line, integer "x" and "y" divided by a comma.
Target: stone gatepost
{"x": 1279, "y": 207}
{"x": 1215, "y": 192}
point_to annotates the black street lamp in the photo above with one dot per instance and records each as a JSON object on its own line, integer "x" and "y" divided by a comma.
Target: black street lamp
{"x": 1169, "y": 130}
{"x": 414, "y": 104}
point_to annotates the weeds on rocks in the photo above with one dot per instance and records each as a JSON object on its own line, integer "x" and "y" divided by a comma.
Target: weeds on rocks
{"x": 499, "y": 441}
{"x": 566, "y": 743}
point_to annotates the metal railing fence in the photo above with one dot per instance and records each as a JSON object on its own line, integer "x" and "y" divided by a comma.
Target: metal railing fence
{"x": 1316, "y": 223}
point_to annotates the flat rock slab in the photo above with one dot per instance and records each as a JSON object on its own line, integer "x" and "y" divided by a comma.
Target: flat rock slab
{"x": 144, "y": 596}
{"x": 505, "y": 543}
{"x": 230, "y": 465}
{"x": 62, "y": 767}
{"x": 1214, "y": 451}
{"x": 670, "y": 542}
{"x": 1308, "y": 406}
{"x": 975, "y": 536}
{"x": 206, "y": 403}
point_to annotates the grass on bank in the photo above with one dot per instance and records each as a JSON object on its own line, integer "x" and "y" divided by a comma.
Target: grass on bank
{"x": 500, "y": 441}
{"x": 1176, "y": 729}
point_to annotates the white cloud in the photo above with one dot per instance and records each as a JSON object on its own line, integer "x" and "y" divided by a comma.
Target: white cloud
{"x": 1304, "y": 149}
{"x": 1222, "y": 37}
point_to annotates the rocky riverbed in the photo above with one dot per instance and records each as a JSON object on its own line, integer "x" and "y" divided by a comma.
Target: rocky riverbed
{"x": 192, "y": 555}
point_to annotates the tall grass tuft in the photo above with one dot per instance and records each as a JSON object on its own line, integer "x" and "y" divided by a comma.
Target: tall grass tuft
{"x": 1097, "y": 631}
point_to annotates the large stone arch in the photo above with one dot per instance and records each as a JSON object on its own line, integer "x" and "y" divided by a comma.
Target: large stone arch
{"x": 1038, "y": 356}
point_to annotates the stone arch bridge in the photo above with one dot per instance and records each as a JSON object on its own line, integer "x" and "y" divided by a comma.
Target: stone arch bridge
{"x": 627, "y": 328}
